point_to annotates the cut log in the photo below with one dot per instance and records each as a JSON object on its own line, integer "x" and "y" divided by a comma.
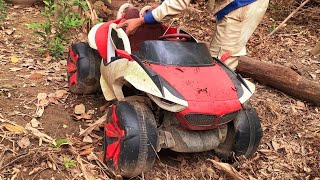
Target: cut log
{"x": 281, "y": 78}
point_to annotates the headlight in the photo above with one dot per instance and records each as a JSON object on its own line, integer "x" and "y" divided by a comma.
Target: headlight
{"x": 167, "y": 105}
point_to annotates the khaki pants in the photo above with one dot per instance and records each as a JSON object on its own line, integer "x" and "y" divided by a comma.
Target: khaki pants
{"x": 234, "y": 30}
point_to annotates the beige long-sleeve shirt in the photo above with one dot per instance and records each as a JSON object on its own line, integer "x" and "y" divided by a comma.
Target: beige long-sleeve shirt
{"x": 174, "y": 7}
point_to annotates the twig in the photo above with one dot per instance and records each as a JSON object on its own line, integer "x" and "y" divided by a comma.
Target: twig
{"x": 7, "y": 121}
{"x": 53, "y": 161}
{"x": 173, "y": 20}
{"x": 284, "y": 21}
{"x": 42, "y": 136}
{"x": 34, "y": 177}
{"x": 194, "y": 9}
{"x": 12, "y": 41}
{"x": 13, "y": 161}
{"x": 7, "y": 149}
{"x": 104, "y": 167}
{"x": 2, "y": 156}
{"x": 160, "y": 171}
{"x": 228, "y": 169}
{"x": 5, "y": 137}
{"x": 87, "y": 176}
{"x": 101, "y": 165}
{"x": 93, "y": 126}
{"x": 167, "y": 173}
{"x": 93, "y": 14}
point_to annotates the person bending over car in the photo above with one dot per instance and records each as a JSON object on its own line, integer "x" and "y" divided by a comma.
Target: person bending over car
{"x": 236, "y": 22}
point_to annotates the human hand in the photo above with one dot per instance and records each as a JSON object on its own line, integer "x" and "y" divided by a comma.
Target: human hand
{"x": 131, "y": 25}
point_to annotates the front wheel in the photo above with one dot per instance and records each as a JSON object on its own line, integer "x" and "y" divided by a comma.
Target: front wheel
{"x": 83, "y": 69}
{"x": 244, "y": 134}
{"x": 131, "y": 138}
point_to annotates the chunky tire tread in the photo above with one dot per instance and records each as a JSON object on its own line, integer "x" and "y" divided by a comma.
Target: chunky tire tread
{"x": 88, "y": 69}
{"x": 137, "y": 148}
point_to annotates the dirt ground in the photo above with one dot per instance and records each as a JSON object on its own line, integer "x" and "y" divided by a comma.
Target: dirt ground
{"x": 290, "y": 148}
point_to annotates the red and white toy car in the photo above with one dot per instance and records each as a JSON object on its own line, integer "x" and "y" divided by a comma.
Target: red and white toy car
{"x": 168, "y": 92}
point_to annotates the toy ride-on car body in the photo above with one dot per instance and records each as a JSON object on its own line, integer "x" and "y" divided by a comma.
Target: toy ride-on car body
{"x": 169, "y": 93}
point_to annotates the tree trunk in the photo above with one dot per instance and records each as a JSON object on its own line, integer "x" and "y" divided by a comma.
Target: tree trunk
{"x": 281, "y": 78}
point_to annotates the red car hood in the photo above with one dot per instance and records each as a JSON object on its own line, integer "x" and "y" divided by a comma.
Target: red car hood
{"x": 208, "y": 91}
{"x": 206, "y": 83}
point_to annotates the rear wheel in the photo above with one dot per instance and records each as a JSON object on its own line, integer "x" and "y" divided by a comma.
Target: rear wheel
{"x": 244, "y": 134}
{"x": 131, "y": 138}
{"x": 83, "y": 69}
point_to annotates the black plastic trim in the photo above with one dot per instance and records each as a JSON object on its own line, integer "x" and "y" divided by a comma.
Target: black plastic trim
{"x": 233, "y": 76}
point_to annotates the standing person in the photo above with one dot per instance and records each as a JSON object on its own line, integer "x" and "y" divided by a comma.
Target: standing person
{"x": 236, "y": 22}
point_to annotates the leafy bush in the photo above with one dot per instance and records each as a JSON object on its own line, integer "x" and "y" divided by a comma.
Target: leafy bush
{"x": 60, "y": 19}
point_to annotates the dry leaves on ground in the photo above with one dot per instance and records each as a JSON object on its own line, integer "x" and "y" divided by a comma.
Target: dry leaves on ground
{"x": 227, "y": 168}
{"x": 80, "y": 112}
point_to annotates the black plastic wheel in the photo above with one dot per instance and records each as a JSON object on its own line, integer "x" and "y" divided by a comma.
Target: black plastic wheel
{"x": 131, "y": 138}
{"x": 244, "y": 134}
{"x": 83, "y": 69}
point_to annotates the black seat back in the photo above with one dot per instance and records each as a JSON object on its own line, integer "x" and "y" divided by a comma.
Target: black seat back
{"x": 144, "y": 33}
{"x": 176, "y": 53}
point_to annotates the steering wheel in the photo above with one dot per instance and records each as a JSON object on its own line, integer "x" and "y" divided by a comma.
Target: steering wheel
{"x": 175, "y": 37}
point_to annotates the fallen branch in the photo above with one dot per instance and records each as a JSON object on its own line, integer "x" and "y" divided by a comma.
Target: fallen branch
{"x": 284, "y": 21}
{"x": 281, "y": 78}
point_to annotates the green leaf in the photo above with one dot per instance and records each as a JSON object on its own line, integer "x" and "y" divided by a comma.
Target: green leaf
{"x": 100, "y": 20}
{"x": 69, "y": 163}
{"x": 59, "y": 142}
{"x": 34, "y": 25}
{"x": 47, "y": 3}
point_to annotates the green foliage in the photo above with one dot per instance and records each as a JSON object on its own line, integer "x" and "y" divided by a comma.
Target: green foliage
{"x": 68, "y": 162}
{"x": 2, "y": 10}
{"x": 54, "y": 32}
{"x": 272, "y": 27}
{"x": 59, "y": 142}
